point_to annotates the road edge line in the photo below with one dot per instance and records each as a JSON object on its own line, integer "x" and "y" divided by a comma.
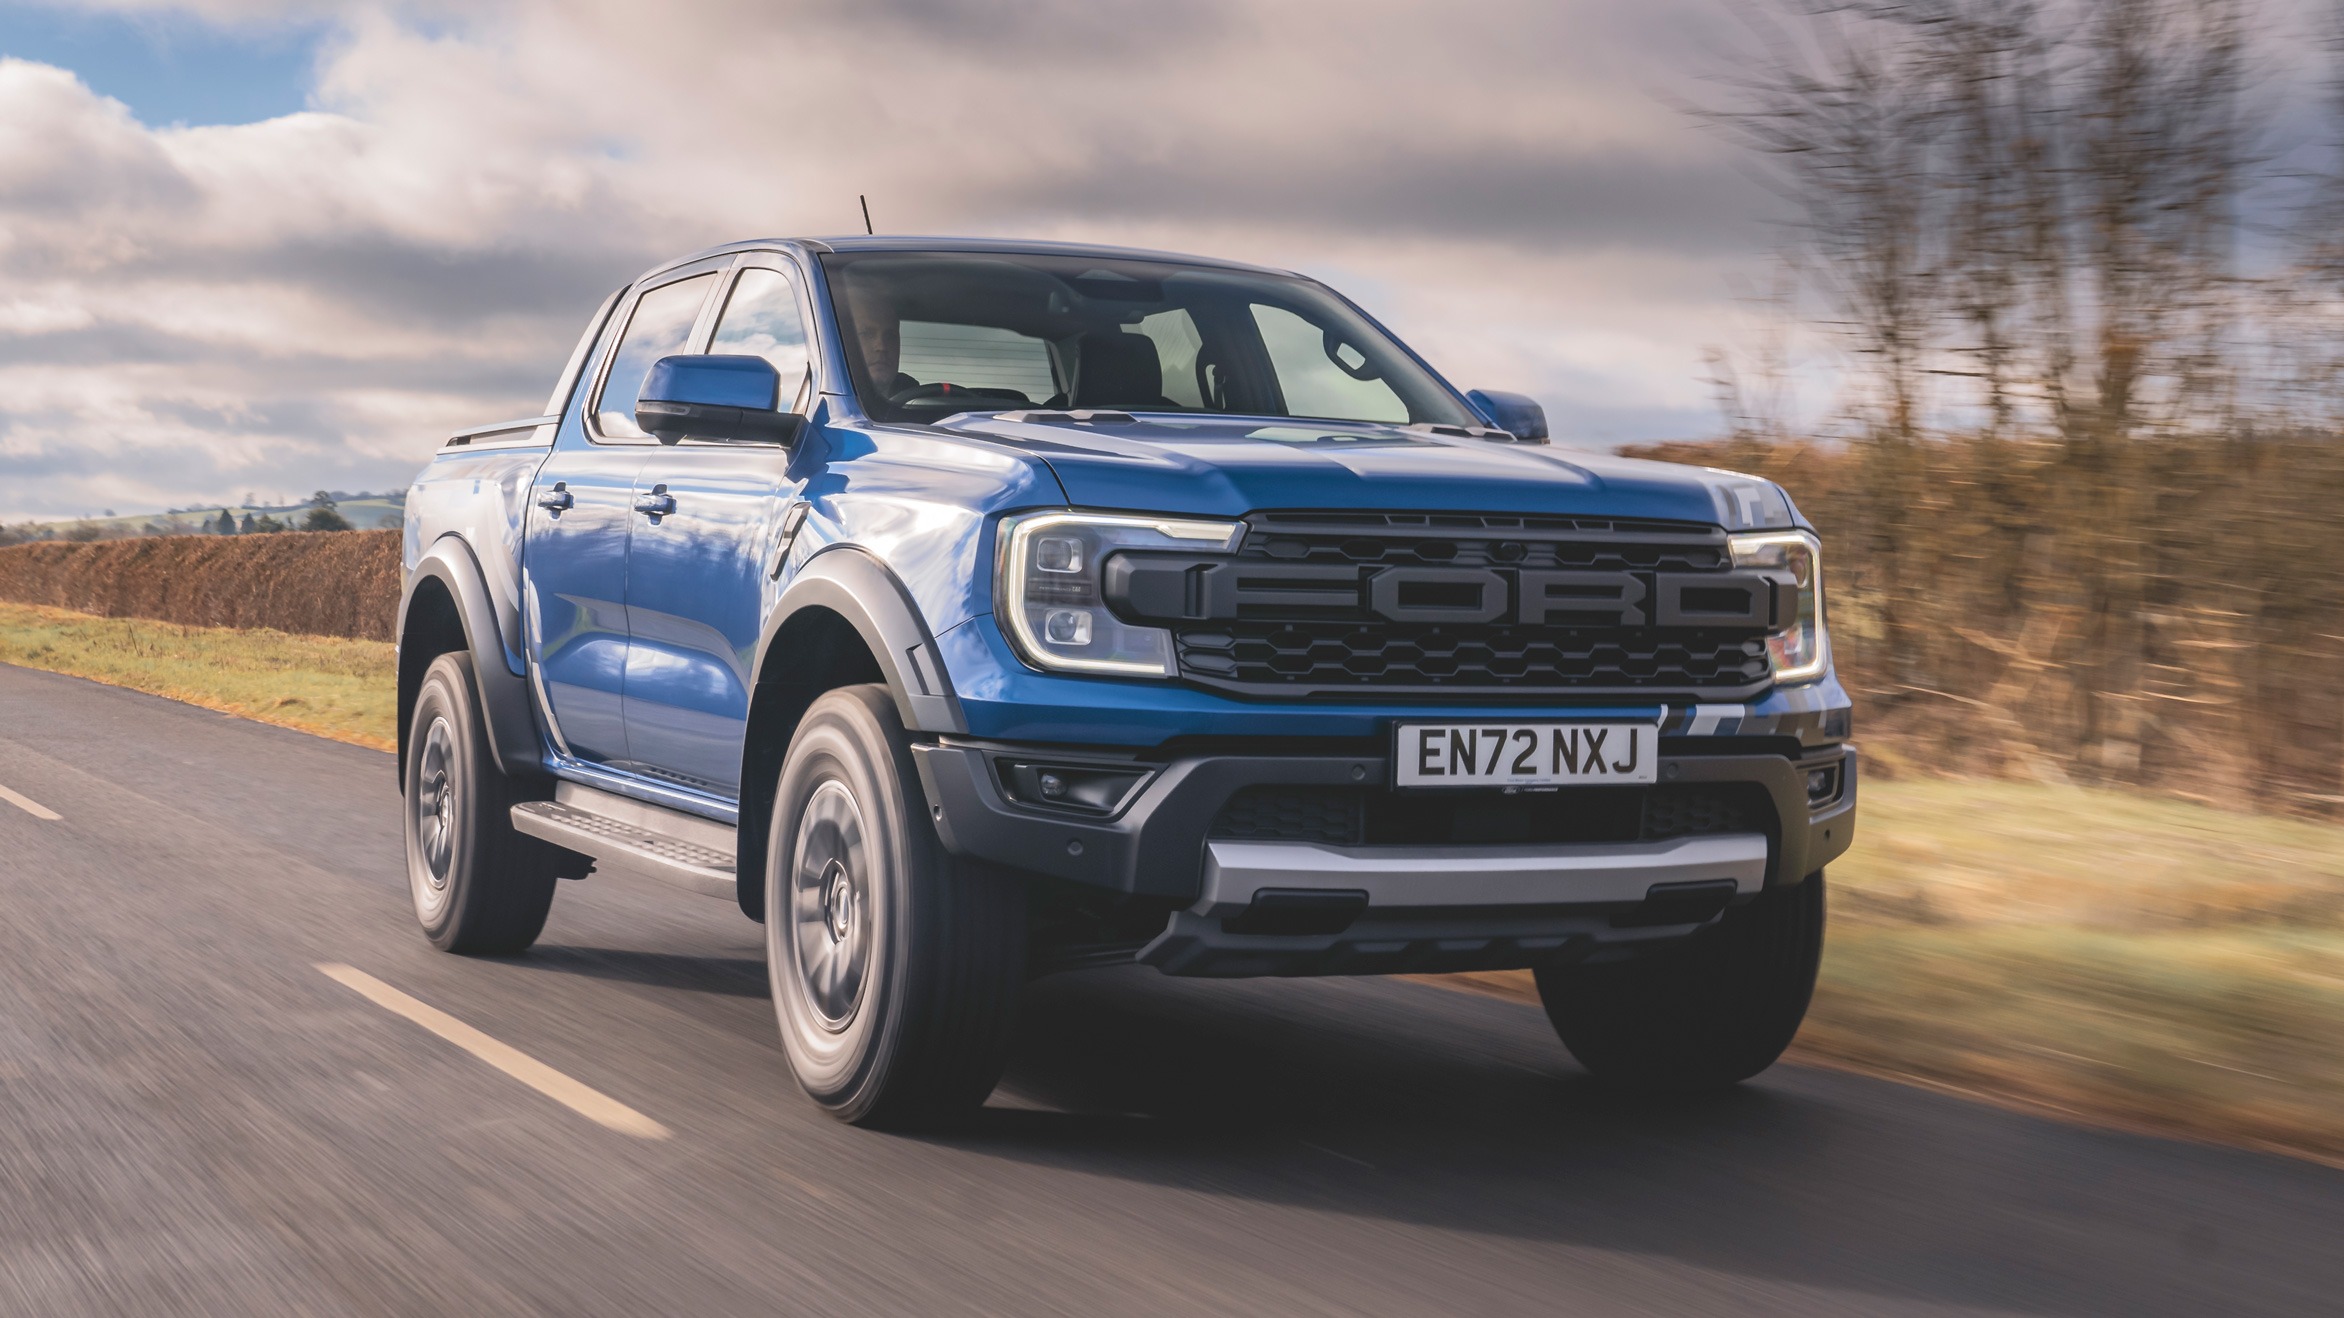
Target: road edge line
{"x": 29, "y": 805}
{"x": 586, "y": 1101}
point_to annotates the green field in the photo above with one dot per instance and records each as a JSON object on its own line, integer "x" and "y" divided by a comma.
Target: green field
{"x": 2129, "y": 959}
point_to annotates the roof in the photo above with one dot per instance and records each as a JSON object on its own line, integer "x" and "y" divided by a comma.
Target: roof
{"x": 912, "y": 243}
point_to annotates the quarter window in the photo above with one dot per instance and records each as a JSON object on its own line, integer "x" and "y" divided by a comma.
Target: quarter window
{"x": 761, "y": 319}
{"x": 660, "y": 327}
{"x": 1320, "y": 373}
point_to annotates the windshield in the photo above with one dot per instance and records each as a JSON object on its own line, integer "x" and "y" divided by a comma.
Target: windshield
{"x": 928, "y": 334}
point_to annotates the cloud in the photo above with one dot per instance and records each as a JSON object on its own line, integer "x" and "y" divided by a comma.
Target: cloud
{"x": 319, "y": 298}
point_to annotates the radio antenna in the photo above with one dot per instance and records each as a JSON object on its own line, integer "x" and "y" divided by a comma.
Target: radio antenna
{"x": 866, "y": 212}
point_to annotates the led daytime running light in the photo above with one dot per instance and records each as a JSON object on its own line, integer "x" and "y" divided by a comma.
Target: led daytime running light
{"x": 1801, "y": 650}
{"x": 1054, "y": 612}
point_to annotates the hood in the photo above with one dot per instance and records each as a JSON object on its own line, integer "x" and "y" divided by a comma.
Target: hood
{"x": 1230, "y": 466}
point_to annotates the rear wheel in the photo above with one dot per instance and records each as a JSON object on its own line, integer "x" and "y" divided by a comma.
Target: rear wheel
{"x": 479, "y": 885}
{"x": 1704, "y": 1013}
{"x": 895, "y": 966}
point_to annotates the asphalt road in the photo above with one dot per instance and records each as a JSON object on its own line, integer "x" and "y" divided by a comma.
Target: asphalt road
{"x": 195, "y": 1120}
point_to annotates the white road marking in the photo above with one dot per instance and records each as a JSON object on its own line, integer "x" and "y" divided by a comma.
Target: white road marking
{"x": 28, "y": 805}
{"x": 590, "y": 1103}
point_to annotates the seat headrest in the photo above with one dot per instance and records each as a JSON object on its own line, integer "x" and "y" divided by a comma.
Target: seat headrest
{"x": 1119, "y": 370}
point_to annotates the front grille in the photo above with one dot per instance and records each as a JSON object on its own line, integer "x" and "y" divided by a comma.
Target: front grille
{"x": 1475, "y": 539}
{"x": 1293, "y": 814}
{"x": 1320, "y": 654}
{"x": 1362, "y": 816}
{"x": 1704, "y": 809}
{"x": 1351, "y": 604}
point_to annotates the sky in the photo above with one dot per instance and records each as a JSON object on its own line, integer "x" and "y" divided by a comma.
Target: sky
{"x": 270, "y": 246}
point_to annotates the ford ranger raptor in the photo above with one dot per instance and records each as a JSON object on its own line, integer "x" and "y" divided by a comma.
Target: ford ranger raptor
{"x": 967, "y": 611}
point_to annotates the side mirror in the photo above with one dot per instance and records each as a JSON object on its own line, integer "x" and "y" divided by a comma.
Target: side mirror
{"x": 725, "y": 398}
{"x": 1514, "y": 413}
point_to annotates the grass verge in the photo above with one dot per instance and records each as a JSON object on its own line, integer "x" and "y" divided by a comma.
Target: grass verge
{"x": 343, "y": 689}
{"x": 2133, "y": 960}
{"x": 2127, "y": 959}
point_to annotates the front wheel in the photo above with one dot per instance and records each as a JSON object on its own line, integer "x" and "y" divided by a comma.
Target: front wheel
{"x": 479, "y": 884}
{"x": 1704, "y": 1013}
{"x": 894, "y": 965}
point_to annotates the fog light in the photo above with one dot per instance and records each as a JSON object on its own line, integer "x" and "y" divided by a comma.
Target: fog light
{"x": 1822, "y": 785}
{"x": 1090, "y": 790}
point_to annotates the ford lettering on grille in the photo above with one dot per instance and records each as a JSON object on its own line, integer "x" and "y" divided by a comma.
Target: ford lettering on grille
{"x": 1321, "y": 603}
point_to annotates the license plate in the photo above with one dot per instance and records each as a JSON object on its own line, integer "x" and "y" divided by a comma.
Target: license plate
{"x": 1524, "y": 754}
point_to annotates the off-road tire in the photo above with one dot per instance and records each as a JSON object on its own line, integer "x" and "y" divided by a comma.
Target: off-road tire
{"x": 1701, "y": 1014}
{"x": 895, "y": 965}
{"x": 479, "y": 885}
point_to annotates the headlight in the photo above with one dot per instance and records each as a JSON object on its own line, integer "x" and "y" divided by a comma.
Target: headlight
{"x": 1798, "y": 648}
{"x": 1048, "y": 594}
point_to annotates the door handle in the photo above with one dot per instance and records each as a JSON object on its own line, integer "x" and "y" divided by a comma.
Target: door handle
{"x": 557, "y": 498}
{"x": 790, "y": 522}
{"x": 658, "y": 503}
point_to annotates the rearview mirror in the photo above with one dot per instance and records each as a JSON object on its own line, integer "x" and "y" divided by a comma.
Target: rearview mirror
{"x": 719, "y": 397}
{"x": 1514, "y": 413}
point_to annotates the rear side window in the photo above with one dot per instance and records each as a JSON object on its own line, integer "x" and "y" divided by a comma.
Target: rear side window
{"x": 660, "y": 327}
{"x": 761, "y": 319}
{"x": 597, "y": 329}
{"x": 1321, "y": 374}
{"x": 977, "y": 357}
{"x": 1177, "y": 344}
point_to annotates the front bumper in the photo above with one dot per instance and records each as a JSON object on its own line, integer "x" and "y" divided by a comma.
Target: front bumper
{"x": 1247, "y": 907}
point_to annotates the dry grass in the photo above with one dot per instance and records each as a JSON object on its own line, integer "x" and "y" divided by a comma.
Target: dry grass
{"x": 2155, "y": 962}
{"x": 2151, "y": 963}
{"x": 340, "y": 584}
{"x": 333, "y": 687}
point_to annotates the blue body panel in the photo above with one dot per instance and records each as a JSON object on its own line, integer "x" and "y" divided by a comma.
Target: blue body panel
{"x": 641, "y": 631}
{"x": 576, "y": 601}
{"x": 1227, "y": 467}
{"x": 697, "y": 595}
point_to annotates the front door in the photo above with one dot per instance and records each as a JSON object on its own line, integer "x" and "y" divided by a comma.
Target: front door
{"x": 699, "y": 577}
{"x": 579, "y": 525}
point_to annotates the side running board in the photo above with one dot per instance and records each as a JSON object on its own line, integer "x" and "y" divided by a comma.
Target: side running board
{"x": 622, "y": 833}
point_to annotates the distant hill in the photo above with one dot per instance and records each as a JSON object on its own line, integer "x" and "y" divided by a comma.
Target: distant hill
{"x": 365, "y": 511}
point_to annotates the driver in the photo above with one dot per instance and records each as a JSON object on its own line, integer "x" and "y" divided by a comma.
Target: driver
{"x": 879, "y": 329}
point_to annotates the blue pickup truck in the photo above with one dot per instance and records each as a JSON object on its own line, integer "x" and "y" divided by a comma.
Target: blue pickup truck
{"x": 967, "y": 611}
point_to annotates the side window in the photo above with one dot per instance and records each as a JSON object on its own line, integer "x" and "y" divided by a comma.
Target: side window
{"x": 597, "y": 332}
{"x": 1177, "y": 343}
{"x": 1319, "y": 383}
{"x": 660, "y": 327}
{"x": 976, "y": 357}
{"x": 761, "y": 319}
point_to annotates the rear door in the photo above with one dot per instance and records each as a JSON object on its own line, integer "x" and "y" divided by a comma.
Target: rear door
{"x": 699, "y": 576}
{"x": 581, "y": 519}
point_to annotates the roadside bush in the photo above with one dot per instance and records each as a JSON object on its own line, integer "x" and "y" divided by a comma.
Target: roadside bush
{"x": 2158, "y": 613}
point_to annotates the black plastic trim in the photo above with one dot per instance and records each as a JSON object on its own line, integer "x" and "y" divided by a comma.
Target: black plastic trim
{"x": 1155, "y": 846}
{"x": 508, "y": 713}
